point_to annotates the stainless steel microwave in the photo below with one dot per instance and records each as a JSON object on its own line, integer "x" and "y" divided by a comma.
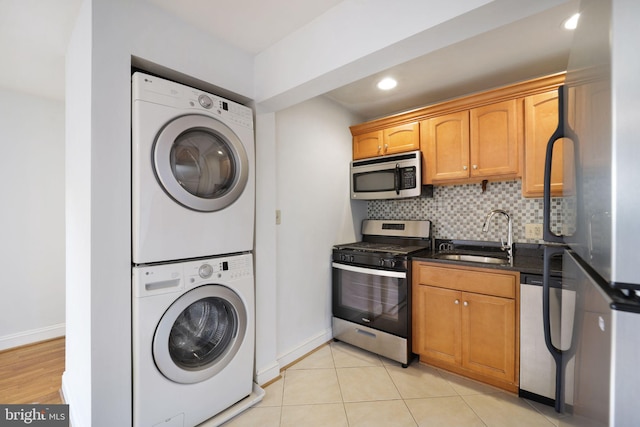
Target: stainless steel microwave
{"x": 387, "y": 177}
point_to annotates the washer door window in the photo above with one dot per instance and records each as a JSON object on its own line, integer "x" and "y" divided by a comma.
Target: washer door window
{"x": 199, "y": 334}
{"x": 200, "y": 163}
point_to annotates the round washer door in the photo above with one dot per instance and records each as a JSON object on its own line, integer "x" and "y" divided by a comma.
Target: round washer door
{"x": 199, "y": 334}
{"x": 200, "y": 163}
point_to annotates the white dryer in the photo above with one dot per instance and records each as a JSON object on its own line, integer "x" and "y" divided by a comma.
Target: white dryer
{"x": 193, "y": 339}
{"x": 193, "y": 185}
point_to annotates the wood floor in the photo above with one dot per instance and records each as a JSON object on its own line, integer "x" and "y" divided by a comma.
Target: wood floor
{"x": 33, "y": 373}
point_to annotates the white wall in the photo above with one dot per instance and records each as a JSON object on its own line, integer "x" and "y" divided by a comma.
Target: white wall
{"x": 32, "y": 219}
{"x": 97, "y": 378}
{"x": 312, "y": 163}
{"x": 267, "y": 367}
{"x": 359, "y": 38}
{"x": 319, "y": 48}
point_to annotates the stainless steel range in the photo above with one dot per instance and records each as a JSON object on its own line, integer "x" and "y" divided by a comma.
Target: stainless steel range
{"x": 372, "y": 287}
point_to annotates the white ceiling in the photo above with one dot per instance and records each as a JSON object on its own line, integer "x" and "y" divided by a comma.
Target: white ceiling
{"x": 250, "y": 25}
{"x": 529, "y": 48}
{"x": 34, "y": 35}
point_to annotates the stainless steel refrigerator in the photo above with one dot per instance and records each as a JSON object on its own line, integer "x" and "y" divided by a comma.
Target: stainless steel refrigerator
{"x": 595, "y": 225}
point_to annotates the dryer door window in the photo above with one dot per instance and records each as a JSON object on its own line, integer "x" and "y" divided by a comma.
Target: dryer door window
{"x": 203, "y": 164}
{"x": 199, "y": 334}
{"x": 200, "y": 163}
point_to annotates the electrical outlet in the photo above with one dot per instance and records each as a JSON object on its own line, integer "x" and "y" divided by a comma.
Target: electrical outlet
{"x": 533, "y": 231}
{"x": 278, "y": 217}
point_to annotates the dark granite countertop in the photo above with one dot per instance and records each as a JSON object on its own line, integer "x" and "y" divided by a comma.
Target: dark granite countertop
{"x": 527, "y": 258}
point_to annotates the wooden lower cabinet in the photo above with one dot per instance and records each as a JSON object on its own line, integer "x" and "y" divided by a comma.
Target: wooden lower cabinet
{"x": 439, "y": 320}
{"x": 470, "y": 333}
{"x": 488, "y": 335}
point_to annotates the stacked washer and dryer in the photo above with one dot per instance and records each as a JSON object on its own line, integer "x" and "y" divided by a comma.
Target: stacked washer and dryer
{"x": 193, "y": 302}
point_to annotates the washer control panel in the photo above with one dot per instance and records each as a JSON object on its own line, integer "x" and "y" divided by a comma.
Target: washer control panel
{"x": 222, "y": 268}
{"x": 205, "y": 101}
{"x": 205, "y": 271}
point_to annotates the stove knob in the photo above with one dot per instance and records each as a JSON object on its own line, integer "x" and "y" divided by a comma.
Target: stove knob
{"x": 352, "y": 258}
{"x": 381, "y": 262}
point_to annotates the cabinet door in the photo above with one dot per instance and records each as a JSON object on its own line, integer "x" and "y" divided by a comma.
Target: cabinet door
{"x": 400, "y": 139}
{"x": 488, "y": 335}
{"x": 446, "y": 147}
{"x": 540, "y": 121}
{"x": 367, "y": 145}
{"x": 494, "y": 139}
{"x": 436, "y": 328}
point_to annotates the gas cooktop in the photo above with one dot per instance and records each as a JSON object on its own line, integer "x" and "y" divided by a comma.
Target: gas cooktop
{"x": 375, "y": 247}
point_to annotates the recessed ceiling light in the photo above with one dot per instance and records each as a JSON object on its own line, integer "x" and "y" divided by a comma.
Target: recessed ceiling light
{"x": 387, "y": 83}
{"x": 572, "y": 23}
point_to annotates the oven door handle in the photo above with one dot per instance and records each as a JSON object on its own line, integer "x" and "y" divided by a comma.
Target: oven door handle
{"x": 372, "y": 271}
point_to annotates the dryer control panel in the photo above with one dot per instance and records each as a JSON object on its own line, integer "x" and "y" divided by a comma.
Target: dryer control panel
{"x": 165, "y": 92}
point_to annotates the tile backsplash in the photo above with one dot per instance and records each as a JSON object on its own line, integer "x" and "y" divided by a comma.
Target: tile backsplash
{"x": 459, "y": 211}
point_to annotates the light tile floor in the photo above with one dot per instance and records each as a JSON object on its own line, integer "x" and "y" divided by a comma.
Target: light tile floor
{"x": 341, "y": 385}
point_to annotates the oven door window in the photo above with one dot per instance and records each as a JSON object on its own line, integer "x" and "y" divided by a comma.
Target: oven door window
{"x": 370, "y": 297}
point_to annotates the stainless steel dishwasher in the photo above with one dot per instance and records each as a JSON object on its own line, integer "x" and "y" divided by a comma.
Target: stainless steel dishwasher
{"x": 537, "y": 367}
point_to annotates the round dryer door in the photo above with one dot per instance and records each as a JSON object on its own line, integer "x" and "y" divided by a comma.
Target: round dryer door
{"x": 200, "y": 163}
{"x": 199, "y": 334}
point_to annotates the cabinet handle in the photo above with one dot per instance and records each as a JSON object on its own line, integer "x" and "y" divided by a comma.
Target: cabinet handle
{"x": 456, "y": 302}
{"x": 379, "y": 148}
{"x": 465, "y": 303}
{"x": 464, "y": 167}
{"x": 475, "y": 166}
{"x": 386, "y": 147}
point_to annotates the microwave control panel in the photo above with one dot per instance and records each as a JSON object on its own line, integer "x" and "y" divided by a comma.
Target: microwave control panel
{"x": 408, "y": 176}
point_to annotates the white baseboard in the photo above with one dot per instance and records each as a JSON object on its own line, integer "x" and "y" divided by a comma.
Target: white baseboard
{"x": 266, "y": 374}
{"x": 66, "y": 398}
{"x": 305, "y": 348}
{"x": 32, "y": 336}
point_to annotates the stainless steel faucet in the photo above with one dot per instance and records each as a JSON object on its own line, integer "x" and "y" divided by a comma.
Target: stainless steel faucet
{"x": 509, "y": 246}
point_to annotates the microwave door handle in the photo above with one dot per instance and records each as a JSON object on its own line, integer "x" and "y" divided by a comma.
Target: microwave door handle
{"x": 396, "y": 179}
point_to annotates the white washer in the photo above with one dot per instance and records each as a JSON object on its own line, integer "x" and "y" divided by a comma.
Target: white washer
{"x": 193, "y": 339}
{"x": 193, "y": 185}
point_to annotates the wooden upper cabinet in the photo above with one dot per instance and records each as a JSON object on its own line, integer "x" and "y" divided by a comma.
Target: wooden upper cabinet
{"x": 494, "y": 140}
{"x": 367, "y": 145}
{"x": 393, "y": 140}
{"x": 445, "y": 145}
{"x": 403, "y": 138}
{"x": 477, "y": 137}
{"x": 540, "y": 121}
{"x": 477, "y": 143}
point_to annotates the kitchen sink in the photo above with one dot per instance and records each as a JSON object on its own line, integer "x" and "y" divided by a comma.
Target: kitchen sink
{"x": 472, "y": 258}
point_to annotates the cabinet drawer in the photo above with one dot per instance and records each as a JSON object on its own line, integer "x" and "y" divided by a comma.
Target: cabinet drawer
{"x": 486, "y": 282}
